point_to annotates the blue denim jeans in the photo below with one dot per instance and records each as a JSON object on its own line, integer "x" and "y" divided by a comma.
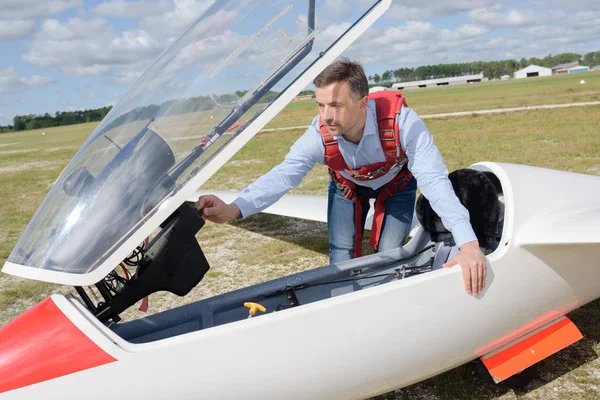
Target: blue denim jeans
{"x": 399, "y": 211}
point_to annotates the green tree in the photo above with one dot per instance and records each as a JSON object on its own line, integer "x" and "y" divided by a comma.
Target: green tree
{"x": 592, "y": 59}
{"x": 18, "y": 123}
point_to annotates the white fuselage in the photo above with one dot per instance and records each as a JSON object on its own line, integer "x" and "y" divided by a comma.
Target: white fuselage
{"x": 374, "y": 340}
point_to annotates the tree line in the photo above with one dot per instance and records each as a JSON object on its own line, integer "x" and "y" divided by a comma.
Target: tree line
{"x": 172, "y": 107}
{"x": 490, "y": 69}
{"x": 31, "y": 121}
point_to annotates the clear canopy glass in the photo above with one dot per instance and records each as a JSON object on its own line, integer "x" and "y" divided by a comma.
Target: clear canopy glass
{"x": 209, "y": 84}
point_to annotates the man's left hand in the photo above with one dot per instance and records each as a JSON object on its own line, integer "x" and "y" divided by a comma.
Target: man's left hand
{"x": 474, "y": 267}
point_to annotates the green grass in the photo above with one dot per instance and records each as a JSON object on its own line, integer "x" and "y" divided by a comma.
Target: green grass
{"x": 477, "y": 96}
{"x": 267, "y": 247}
{"x": 559, "y": 89}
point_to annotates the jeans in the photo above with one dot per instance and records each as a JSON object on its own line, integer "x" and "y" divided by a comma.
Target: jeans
{"x": 341, "y": 218}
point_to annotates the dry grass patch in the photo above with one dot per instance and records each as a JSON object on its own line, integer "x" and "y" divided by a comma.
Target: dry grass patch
{"x": 18, "y": 295}
{"x": 30, "y": 165}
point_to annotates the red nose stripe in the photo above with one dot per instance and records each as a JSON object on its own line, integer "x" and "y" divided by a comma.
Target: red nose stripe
{"x": 44, "y": 344}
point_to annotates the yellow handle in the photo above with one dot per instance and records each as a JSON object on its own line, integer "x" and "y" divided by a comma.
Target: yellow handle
{"x": 254, "y": 307}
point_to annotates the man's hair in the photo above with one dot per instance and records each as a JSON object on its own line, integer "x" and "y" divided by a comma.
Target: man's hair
{"x": 345, "y": 70}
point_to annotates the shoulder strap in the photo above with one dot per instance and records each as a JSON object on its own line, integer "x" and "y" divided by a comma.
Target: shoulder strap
{"x": 389, "y": 104}
{"x": 333, "y": 156}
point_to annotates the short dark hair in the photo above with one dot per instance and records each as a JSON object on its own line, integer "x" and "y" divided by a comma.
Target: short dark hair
{"x": 347, "y": 71}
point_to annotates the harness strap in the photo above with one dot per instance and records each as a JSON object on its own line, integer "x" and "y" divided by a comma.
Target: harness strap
{"x": 388, "y": 106}
{"x": 333, "y": 156}
{"x": 348, "y": 189}
{"x": 358, "y": 232}
{"x": 390, "y": 189}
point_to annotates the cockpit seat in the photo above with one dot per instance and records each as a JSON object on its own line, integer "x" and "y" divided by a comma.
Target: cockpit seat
{"x": 478, "y": 192}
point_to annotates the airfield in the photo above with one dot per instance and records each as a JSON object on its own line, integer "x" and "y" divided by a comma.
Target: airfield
{"x": 264, "y": 247}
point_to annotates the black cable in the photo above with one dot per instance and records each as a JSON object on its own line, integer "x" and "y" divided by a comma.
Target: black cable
{"x": 407, "y": 273}
{"x": 343, "y": 280}
{"x": 419, "y": 269}
{"x": 112, "y": 280}
{"x": 136, "y": 257}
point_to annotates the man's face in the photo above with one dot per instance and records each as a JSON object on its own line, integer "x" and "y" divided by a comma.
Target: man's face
{"x": 340, "y": 111}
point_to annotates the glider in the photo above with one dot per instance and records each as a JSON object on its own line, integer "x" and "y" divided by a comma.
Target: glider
{"x": 348, "y": 330}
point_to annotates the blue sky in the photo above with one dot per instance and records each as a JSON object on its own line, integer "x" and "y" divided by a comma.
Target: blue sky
{"x": 59, "y": 55}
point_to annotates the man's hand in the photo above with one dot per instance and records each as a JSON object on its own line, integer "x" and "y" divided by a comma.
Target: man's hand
{"x": 474, "y": 267}
{"x": 216, "y": 210}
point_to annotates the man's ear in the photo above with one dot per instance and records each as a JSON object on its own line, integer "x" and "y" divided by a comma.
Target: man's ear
{"x": 363, "y": 103}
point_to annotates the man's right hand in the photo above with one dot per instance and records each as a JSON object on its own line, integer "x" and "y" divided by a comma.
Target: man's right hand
{"x": 216, "y": 210}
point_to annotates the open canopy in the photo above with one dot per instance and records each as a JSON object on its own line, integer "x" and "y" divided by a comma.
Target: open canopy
{"x": 213, "y": 88}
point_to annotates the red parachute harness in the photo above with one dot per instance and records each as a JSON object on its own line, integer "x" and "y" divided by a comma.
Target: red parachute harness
{"x": 388, "y": 106}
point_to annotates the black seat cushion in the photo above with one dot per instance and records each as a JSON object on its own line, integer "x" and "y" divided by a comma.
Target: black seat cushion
{"x": 476, "y": 191}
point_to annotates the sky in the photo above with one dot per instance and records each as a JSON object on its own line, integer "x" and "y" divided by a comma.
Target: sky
{"x": 65, "y": 55}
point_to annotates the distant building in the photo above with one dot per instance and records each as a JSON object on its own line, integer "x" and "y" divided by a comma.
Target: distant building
{"x": 564, "y": 68}
{"x": 505, "y": 77}
{"x": 531, "y": 71}
{"x": 455, "y": 80}
{"x": 578, "y": 69}
{"x": 378, "y": 89}
{"x": 596, "y": 68}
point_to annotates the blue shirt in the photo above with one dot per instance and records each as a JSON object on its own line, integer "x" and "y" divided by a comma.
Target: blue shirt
{"x": 424, "y": 161}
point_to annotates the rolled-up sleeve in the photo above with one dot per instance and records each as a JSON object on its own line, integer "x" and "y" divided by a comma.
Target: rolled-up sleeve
{"x": 426, "y": 164}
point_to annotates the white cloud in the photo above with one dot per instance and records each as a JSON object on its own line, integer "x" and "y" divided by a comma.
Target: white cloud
{"x": 552, "y": 37}
{"x": 409, "y": 36}
{"x": 575, "y": 33}
{"x": 31, "y": 9}
{"x": 92, "y": 70}
{"x": 418, "y": 10}
{"x": 337, "y": 8}
{"x": 88, "y": 43}
{"x": 11, "y": 81}
{"x": 419, "y": 43}
{"x": 172, "y": 23}
{"x": 514, "y": 18}
{"x": 585, "y": 20}
{"x": 132, "y": 9}
{"x": 37, "y": 80}
{"x": 572, "y": 5}
{"x": 489, "y": 34}
{"x": 18, "y": 29}
{"x": 129, "y": 73}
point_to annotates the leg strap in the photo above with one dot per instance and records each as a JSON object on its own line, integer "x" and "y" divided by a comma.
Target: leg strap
{"x": 388, "y": 191}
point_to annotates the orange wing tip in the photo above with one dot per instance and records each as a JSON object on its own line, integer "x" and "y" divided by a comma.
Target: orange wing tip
{"x": 530, "y": 349}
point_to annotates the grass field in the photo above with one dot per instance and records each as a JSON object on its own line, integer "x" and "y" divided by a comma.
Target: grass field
{"x": 477, "y": 96}
{"x": 264, "y": 247}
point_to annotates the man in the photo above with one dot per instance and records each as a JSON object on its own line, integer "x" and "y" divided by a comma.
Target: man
{"x": 347, "y": 136}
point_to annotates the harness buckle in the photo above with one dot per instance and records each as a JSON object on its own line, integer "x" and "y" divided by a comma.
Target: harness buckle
{"x": 382, "y": 135}
{"x": 329, "y": 140}
{"x": 369, "y": 175}
{"x": 395, "y": 169}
